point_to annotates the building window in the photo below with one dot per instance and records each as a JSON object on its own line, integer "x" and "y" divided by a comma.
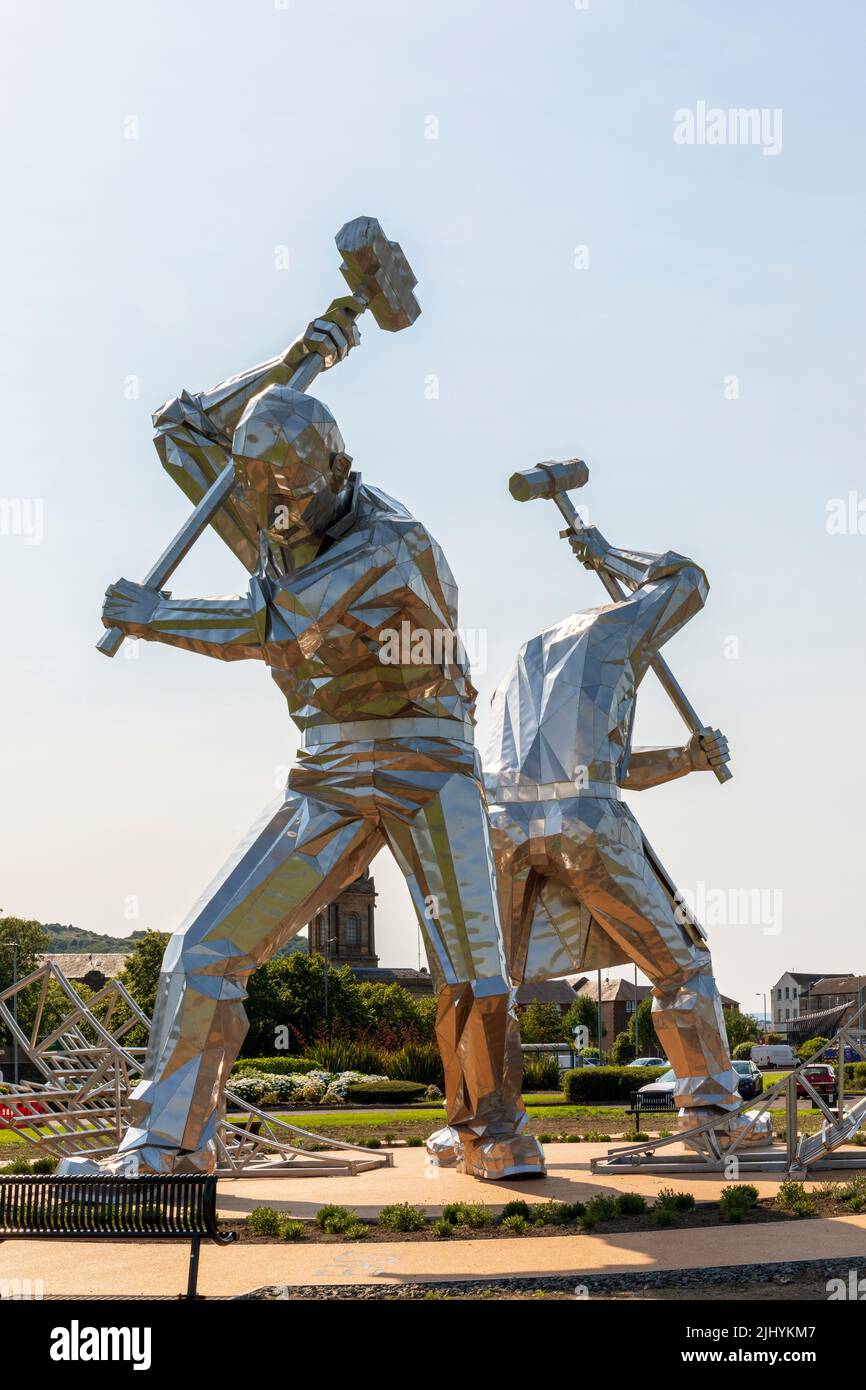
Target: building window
{"x": 629, "y": 1006}
{"x": 778, "y": 994}
{"x": 319, "y": 938}
{"x": 352, "y": 932}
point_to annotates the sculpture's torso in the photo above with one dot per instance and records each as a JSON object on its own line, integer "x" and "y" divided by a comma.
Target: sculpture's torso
{"x": 564, "y": 712}
{"x": 326, "y": 625}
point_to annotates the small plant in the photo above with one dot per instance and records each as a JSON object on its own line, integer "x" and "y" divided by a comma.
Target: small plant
{"x": 389, "y": 1138}
{"x": 43, "y": 1165}
{"x": 539, "y": 1293}
{"x": 264, "y": 1221}
{"x": 373, "y": 1143}
{"x": 292, "y": 1230}
{"x": 413, "y": 1142}
{"x": 515, "y": 1224}
{"x": 19, "y": 1165}
{"x": 356, "y": 1230}
{"x": 402, "y": 1217}
{"x": 432, "y": 1295}
{"x": 635, "y": 1135}
{"x": 516, "y": 1208}
{"x": 334, "y": 1220}
{"x": 792, "y": 1196}
{"x": 545, "y": 1138}
{"x": 670, "y": 1200}
{"x": 551, "y": 1213}
{"x": 588, "y": 1221}
{"x": 471, "y": 1214}
{"x": 737, "y": 1200}
{"x": 593, "y": 1136}
{"x": 441, "y": 1229}
{"x": 487, "y": 1293}
{"x": 574, "y": 1138}
{"x": 662, "y": 1216}
{"x": 630, "y": 1204}
{"x": 601, "y": 1207}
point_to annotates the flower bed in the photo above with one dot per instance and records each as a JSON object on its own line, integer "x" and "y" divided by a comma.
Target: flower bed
{"x": 313, "y": 1088}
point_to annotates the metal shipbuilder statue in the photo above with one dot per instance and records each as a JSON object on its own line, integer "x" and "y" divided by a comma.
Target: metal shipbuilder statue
{"x": 388, "y": 754}
{"x": 581, "y": 888}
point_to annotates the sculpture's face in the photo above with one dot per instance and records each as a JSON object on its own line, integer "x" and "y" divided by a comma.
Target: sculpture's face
{"x": 289, "y": 452}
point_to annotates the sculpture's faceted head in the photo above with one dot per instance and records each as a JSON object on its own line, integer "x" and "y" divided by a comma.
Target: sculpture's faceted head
{"x": 288, "y": 450}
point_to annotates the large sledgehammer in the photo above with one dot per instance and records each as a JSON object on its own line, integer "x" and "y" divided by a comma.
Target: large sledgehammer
{"x": 381, "y": 280}
{"x": 553, "y": 480}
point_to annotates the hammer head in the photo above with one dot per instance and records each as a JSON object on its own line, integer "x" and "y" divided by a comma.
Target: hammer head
{"x": 378, "y": 269}
{"x": 547, "y": 479}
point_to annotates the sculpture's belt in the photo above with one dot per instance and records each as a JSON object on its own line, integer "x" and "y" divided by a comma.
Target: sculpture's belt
{"x": 367, "y": 730}
{"x": 548, "y": 791}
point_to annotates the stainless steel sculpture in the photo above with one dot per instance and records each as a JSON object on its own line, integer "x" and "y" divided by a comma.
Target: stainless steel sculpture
{"x": 580, "y": 886}
{"x": 388, "y": 744}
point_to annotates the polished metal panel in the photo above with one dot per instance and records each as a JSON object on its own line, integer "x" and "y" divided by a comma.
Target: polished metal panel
{"x": 580, "y": 887}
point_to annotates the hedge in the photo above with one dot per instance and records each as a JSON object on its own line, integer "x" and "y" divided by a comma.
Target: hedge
{"x": 273, "y": 1066}
{"x": 384, "y": 1092}
{"x": 607, "y": 1083}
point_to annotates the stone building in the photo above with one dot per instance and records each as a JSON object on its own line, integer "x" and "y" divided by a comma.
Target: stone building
{"x": 345, "y": 931}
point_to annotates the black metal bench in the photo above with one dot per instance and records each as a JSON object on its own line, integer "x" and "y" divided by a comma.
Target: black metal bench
{"x": 650, "y": 1105}
{"x": 109, "y": 1208}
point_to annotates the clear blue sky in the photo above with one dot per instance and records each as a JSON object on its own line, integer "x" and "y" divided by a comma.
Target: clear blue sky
{"x": 154, "y": 258}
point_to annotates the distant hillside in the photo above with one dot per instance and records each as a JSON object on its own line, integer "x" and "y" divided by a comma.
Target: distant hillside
{"x": 77, "y": 941}
{"x": 81, "y": 942}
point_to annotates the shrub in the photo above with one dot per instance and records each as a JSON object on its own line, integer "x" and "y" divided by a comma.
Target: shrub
{"x": 340, "y": 1054}
{"x": 515, "y": 1208}
{"x": 588, "y": 1221}
{"x": 441, "y": 1228}
{"x": 413, "y": 1142}
{"x": 606, "y": 1083}
{"x": 43, "y": 1165}
{"x": 334, "y": 1220}
{"x": 515, "y": 1224}
{"x": 264, "y": 1221}
{"x": 635, "y": 1135}
{"x": 603, "y": 1208}
{"x": 356, "y": 1230}
{"x": 545, "y": 1138}
{"x": 419, "y": 1062}
{"x": 595, "y": 1136}
{"x": 743, "y": 1052}
{"x": 540, "y": 1073}
{"x": 553, "y": 1213}
{"x": 669, "y": 1200}
{"x": 292, "y": 1230}
{"x": 623, "y": 1050}
{"x": 737, "y": 1200}
{"x": 273, "y": 1066}
{"x": 471, "y": 1214}
{"x": 810, "y": 1047}
{"x": 662, "y": 1216}
{"x": 402, "y": 1217}
{"x": 792, "y": 1196}
{"x": 630, "y": 1204}
{"x": 384, "y": 1092}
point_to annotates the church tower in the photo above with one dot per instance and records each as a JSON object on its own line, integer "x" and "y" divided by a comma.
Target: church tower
{"x": 346, "y": 928}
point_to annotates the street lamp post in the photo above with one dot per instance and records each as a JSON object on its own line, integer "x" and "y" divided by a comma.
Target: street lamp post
{"x": 763, "y": 995}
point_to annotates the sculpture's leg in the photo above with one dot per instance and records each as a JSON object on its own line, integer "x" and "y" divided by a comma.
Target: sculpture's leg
{"x": 297, "y": 857}
{"x": 444, "y": 851}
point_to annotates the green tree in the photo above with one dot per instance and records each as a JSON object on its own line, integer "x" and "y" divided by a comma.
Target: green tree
{"x": 140, "y": 974}
{"x": 288, "y": 993}
{"x": 584, "y": 1011}
{"x": 740, "y": 1028}
{"x": 542, "y": 1023}
{"x": 22, "y": 941}
{"x": 642, "y": 1030}
{"x": 810, "y": 1047}
{"x": 622, "y": 1051}
{"x": 387, "y": 1006}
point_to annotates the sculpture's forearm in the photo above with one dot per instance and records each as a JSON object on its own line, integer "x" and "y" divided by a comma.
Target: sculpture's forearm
{"x": 649, "y": 767}
{"x": 229, "y": 628}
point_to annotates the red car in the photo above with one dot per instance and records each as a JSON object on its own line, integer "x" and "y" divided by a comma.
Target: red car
{"x": 822, "y": 1079}
{"x": 12, "y": 1112}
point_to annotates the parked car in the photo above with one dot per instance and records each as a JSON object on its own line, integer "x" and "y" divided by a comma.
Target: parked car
{"x": 774, "y": 1055}
{"x": 750, "y": 1082}
{"x": 648, "y": 1062}
{"x": 659, "y": 1094}
{"x": 822, "y": 1079}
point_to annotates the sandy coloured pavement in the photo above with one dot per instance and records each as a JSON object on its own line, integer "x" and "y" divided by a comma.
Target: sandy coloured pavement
{"x": 145, "y": 1268}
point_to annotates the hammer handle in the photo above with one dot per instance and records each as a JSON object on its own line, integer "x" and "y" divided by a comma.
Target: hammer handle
{"x": 668, "y": 681}
{"x": 201, "y": 516}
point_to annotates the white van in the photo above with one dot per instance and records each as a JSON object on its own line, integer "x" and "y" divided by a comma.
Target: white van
{"x": 774, "y": 1055}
